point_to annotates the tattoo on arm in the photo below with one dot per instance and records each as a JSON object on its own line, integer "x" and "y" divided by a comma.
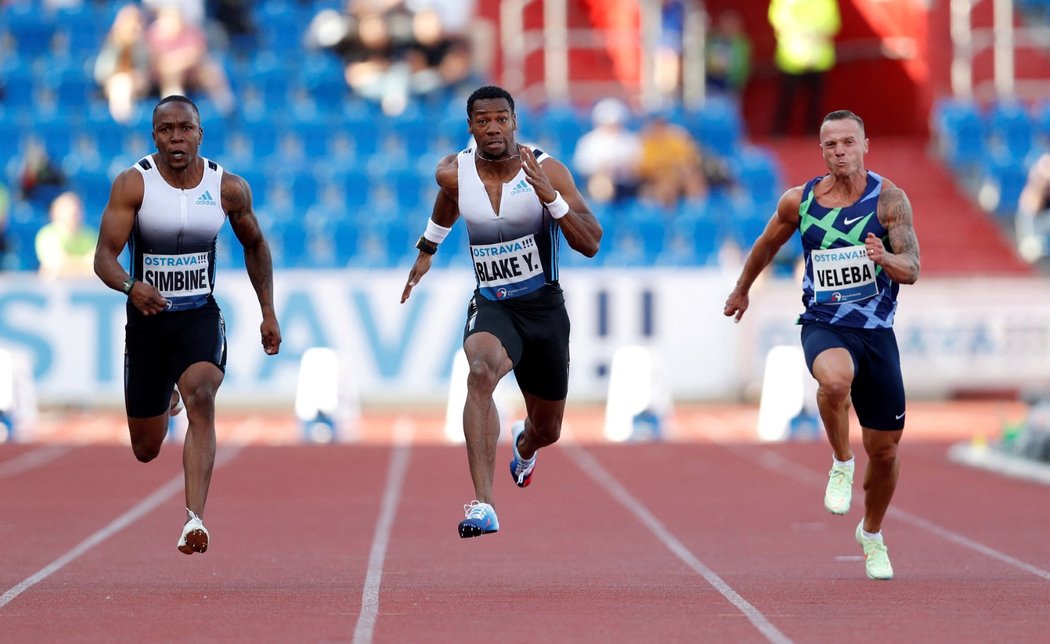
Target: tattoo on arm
{"x": 896, "y": 215}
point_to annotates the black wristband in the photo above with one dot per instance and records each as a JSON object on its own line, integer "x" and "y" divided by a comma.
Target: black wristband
{"x": 426, "y": 245}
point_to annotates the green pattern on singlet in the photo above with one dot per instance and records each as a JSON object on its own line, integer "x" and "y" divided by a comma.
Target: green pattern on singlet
{"x": 853, "y": 237}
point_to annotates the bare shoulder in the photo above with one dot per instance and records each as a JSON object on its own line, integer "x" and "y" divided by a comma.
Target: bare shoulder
{"x": 236, "y": 194}
{"x": 894, "y": 207}
{"x": 129, "y": 186}
{"x": 447, "y": 173}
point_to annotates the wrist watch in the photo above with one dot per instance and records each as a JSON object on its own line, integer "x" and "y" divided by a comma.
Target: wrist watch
{"x": 128, "y": 284}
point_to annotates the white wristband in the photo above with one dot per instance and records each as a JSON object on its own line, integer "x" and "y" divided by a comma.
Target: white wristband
{"x": 558, "y": 208}
{"x": 435, "y": 233}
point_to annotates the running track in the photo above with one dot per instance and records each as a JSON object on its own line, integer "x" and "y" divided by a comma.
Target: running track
{"x": 707, "y": 537}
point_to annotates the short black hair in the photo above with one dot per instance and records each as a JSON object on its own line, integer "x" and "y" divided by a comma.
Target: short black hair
{"x": 839, "y": 115}
{"x": 177, "y": 98}
{"x": 488, "y": 92}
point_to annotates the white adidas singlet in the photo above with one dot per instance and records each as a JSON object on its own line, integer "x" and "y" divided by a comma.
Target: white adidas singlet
{"x": 514, "y": 251}
{"x": 173, "y": 240}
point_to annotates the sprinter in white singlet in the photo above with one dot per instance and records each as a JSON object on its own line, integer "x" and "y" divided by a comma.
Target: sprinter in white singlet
{"x": 168, "y": 209}
{"x": 516, "y": 203}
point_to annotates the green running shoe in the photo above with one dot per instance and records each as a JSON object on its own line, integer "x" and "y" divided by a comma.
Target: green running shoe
{"x": 840, "y": 489}
{"x": 876, "y": 556}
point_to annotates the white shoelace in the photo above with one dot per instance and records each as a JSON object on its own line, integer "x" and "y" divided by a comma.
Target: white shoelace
{"x": 475, "y": 509}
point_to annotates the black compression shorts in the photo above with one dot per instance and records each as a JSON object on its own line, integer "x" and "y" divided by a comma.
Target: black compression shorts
{"x": 535, "y": 334}
{"x": 878, "y": 386}
{"x": 158, "y": 349}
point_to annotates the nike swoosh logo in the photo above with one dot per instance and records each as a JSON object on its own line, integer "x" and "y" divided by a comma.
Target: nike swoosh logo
{"x": 850, "y": 222}
{"x": 901, "y": 415}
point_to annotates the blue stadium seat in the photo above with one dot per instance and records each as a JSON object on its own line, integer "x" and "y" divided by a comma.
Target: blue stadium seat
{"x": 757, "y": 172}
{"x": 962, "y": 130}
{"x": 1004, "y": 177}
{"x": 31, "y": 29}
{"x": 718, "y": 126}
{"x": 1012, "y": 127}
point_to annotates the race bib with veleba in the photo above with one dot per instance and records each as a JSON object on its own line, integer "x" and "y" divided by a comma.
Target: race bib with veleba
{"x": 183, "y": 279}
{"x": 507, "y": 269}
{"x": 843, "y": 275}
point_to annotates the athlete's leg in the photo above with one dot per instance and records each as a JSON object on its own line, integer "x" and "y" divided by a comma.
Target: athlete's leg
{"x": 542, "y": 424}
{"x": 147, "y": 435}
{"x": 488, "y": 362}
{"x": 833, "y": 371}
{"x": 880, "y": 477}
{"x": 198, "y": 385}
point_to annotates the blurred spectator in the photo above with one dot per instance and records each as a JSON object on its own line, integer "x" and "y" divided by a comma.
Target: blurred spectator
{"x": 1033, "y": 212}
{"x": 671, "y": 165}
{"x": 122, "y": 67}
{"x": 393, "y": 50}
{"x": 180, "y": 59}
{"x": 65, "y": 247}
{"x": 438, "y": 57}
{"x": 607, "y": 156}
{"x": 667, "y": 59}
{"x": 805, "y": 52}
{"x": 41, "y": 179}
{"x": 727, "y": 55}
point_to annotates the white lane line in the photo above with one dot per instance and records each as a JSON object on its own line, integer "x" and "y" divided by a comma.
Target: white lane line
{"x": 592, "y": 468}
{"x": 143, "y": 507}
{"x": 778, "y": 463}
{"x": 395, "y": 476}
{"x": 31, "y": 459}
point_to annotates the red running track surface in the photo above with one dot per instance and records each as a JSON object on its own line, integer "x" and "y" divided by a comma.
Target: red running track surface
{"x": 715, "y": 539}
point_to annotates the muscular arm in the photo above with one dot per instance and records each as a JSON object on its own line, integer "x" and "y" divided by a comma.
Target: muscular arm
{"x": 445, "y": 213}
{"x": 118, "y": 218}
{"x": 901, "y": 263}
{"x": 782, "y": 225}
{"x": 580, "y": 227}
{"x": 237, "y": 202}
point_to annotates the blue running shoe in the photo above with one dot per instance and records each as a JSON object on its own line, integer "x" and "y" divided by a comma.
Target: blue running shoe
{"x": 481, "y": 519}
{"x": 520, "y": 468}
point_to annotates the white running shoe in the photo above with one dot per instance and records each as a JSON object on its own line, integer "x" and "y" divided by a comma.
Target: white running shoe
{"x": 520, "y": 468}
{"x": 194, "y": 536}
{"x": 876, "y": 555}
{"x": 176, "y": 402}
{"x": 481, "y": 519}
{"x": 840, "y": 489}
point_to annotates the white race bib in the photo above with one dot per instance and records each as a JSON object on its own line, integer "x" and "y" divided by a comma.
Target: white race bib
{"x": 842, "y": 275}
{"x": 508, "y": 269}
{"x": 177, "y": 276}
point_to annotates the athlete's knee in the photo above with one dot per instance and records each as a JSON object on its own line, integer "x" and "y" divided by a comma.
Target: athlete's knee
{"x": 481, "y": 378}
{"x": 882, "y": 454}
{"x": 145, "y": 451}
{"x": 834, "y": 387}
{"x": 200, "y": 396}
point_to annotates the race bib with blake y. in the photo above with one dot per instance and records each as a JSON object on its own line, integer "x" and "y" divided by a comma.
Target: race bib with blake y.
{"x": 507, "y": 269}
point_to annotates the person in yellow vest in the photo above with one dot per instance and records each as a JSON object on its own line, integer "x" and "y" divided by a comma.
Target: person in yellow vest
{"x": 65, "y": 247}
{"x": 805, "y": 31}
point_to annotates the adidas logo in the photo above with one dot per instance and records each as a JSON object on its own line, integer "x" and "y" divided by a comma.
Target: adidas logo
{"x": 520, "y": 187}
{"x": 205, "y": 199}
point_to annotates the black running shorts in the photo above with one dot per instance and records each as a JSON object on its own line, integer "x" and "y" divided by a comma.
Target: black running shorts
{"x": 535, "y": 333}
{"x": 878, "y": 386}
{"x": 158, "y": 349}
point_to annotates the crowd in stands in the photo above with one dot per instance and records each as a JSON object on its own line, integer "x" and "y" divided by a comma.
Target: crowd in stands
{"x": 336, "y": 112}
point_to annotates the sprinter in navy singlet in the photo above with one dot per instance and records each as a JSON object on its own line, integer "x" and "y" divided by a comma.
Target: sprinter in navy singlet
{"x": 167, "y": 209}
{"x": 859, "y": 246}
{"x": 516, "y": 202}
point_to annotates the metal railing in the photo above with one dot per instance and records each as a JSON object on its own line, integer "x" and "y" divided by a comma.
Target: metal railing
{"x": 1005, "y": 39}
{"x": 556, "y": 40}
